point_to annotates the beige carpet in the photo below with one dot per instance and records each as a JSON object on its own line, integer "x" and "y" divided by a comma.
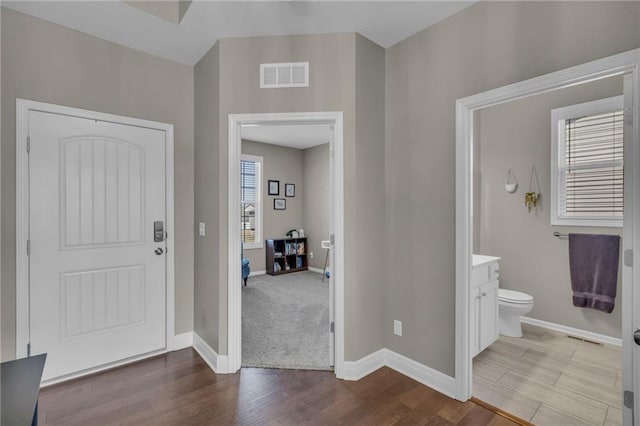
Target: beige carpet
{"x": 285, "y": 322}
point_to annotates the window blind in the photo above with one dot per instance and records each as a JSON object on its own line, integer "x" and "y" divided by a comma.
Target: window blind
{"x": 248, "y": 185}
{"x": 591, "y": 166}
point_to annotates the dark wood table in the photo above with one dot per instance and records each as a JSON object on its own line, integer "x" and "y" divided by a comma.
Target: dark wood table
{"x": 20, "y": 385}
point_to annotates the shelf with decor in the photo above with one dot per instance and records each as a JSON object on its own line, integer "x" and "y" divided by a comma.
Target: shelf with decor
{"x": 286, "y": 255}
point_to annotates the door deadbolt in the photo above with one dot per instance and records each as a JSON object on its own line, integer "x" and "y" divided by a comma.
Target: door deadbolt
{"x": 636, "y": 336}
{"x": 158, "y": 251}
{"x": 158, "y": 231}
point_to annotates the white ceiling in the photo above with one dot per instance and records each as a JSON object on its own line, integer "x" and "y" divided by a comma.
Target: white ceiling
{"x": 300, "y": 136}
{"x": 205, "y": 22}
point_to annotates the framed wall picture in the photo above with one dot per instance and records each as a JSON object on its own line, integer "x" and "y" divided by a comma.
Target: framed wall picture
{"x": 279, "y": 204}
{"x": 289, "y": 190}
{"x": 274, "y": 187}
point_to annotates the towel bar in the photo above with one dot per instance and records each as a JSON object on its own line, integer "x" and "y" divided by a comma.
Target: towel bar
{"x": 561, "y": 235}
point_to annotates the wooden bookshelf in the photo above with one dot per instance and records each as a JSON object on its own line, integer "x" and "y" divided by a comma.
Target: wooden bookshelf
{"x": 286, "y": 255}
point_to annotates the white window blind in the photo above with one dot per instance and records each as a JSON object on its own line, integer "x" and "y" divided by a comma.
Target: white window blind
{"x": 589, "y": 170}
{"x": 250, "y": 201}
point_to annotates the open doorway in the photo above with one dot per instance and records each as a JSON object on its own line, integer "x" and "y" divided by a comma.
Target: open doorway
{"x": 547, "y": 355}
{"x": 301, "y": 259}
{"x": 285, "y": 215}
{"x": 624, "y": 67}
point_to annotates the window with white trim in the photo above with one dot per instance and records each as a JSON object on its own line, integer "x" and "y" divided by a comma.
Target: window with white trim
{"x": 251, "y": 201}
{"x": 587, "y": 175}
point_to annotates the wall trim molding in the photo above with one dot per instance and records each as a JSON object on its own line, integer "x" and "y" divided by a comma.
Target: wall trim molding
{"x": 356, "y": 370}
{"x": 434, "y": 379}
{"x": 23, "y": 108}
{"x": 625, "y": 64}
{"x": 564, "y": 329}
{"x": 234, "y": 290}
{"x": 253, "y": 274}
{"x": 182, "y": 341}
{"x": 318, "y": 270}
{"x": 218, "y": 363}
{"x": 424, "y": 374}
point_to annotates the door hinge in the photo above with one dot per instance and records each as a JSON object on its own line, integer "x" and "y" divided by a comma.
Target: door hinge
{"x": 628, "y": 257}
{"x": 28, "y": 247}
{"x": 28, "y": 144}
{"x": 28, "y": 349}
{"x": 628, "y": 399}
{"x": 333, "y": 327}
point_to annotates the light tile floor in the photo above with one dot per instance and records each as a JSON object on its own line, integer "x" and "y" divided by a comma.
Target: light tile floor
{"x": 548, "y": 378}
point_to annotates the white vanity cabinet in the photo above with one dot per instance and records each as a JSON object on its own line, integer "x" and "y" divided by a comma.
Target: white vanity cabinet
{"x": 484, "y": 302}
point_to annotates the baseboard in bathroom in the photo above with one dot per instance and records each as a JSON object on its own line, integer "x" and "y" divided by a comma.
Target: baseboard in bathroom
{"x": 584, "y": 334}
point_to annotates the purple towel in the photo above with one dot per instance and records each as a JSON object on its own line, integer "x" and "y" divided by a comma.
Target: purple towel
{"x": 593, "y": 261}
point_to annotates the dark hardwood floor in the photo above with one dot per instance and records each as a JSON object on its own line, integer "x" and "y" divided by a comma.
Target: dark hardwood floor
{"x": 179, "y": 388}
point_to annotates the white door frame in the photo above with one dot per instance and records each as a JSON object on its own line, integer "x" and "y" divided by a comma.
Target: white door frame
{"x": 23, "y": 107}
{"x": 234, "y": 291}
{"x": 627, "y": 64}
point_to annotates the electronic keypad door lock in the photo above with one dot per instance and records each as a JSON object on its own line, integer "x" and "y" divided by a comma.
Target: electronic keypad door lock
{"x": 158, "y": 231}
{"x": 636, "y": 336}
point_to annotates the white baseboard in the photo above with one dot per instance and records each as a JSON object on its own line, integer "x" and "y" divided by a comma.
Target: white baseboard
{"x": 253, "y": 274}
{"x": 356, "y": 370}
{"x": 182, "y": 341}
{"x": 218, "y": 363}
{"x": 318, "y": 270}
{"x": 434, "y": 379}
{"x": 601, "y": 338}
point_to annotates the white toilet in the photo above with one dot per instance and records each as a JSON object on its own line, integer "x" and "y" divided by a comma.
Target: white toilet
{"x": 511, "y": 306}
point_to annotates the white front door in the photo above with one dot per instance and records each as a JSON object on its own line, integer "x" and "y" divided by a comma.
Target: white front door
{"x": 97, "y": 278}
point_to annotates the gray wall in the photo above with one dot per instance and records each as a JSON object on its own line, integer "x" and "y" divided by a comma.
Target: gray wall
{"x": 316, "y": 204}
{"x": 285, "y": 165}
{"x": 488, "y": 45}
{"x": 46, "y": 62}
{"x": 333, "y": 61}
{"x": 366, "y": 260}
{"x": 207, "y": 189}
{"x": 517, "y": 135}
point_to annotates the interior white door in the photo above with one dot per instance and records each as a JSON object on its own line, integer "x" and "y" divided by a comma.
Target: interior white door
{"x": 97, "y": 279}
{"x": 332, "y": 252}
{"x": 631, "y": 246}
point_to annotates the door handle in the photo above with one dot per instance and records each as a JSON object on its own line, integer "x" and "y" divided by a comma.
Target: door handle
{"x": 159, "y": 251}
{"x": 636, "y": 336}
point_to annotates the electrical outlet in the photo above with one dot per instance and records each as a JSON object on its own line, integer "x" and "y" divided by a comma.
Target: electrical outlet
{"x": 310, "y": 255}
{"x": 397, "y": 327}
{"x": 201, "y": 229}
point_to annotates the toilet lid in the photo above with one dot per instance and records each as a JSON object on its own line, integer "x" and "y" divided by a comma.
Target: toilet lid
{"x": 514, "y": 296}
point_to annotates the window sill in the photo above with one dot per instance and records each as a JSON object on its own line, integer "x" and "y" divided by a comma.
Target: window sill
{"x": 588, "y": 223}
{"x": 253, "y": 246}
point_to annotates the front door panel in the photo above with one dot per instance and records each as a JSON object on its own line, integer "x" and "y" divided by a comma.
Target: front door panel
{"x": 97, "y": 286}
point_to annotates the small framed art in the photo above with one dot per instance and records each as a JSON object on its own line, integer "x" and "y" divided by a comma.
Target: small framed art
{"x": 274, "y": 187}
{"x": 289, "y": 190}
{"x": 279, "y": 204}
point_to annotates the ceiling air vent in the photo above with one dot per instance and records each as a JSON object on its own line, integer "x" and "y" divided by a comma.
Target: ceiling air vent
{"x": 294, "y": 74}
